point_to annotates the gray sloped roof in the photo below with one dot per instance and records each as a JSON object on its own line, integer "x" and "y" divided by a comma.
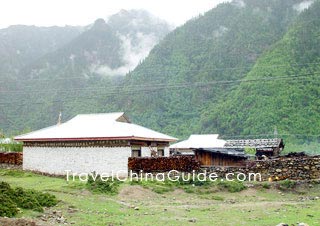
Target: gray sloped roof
{"x": 108, "y": 126}
{"x": 225, "y": 151}
{"x": 254, "y": 143}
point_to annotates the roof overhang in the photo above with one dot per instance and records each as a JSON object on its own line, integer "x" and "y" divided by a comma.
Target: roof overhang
{"x": 95, "y": 139}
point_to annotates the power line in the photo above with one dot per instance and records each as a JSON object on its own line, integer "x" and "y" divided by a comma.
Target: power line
{"x": 135, "y": 88}
{"x": 171, "y": 70}
{"x": 126, "y": 92}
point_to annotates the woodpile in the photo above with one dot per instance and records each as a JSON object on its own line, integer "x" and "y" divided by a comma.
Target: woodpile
{"x": 163, "y": 164}
{"x": 14, "y": 158}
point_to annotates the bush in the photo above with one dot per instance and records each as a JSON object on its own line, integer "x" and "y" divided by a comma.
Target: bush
{"x": 110, "y": 186}
{"x": 7, "y": 207}
{"x": 26, "y": 200}
{"x": 23, "y": 198}
{"x": 232, "y": 186}
{"x": 266, "y": 185}
{"x": 11, "y": 147}
{"x": 287, "y": 184}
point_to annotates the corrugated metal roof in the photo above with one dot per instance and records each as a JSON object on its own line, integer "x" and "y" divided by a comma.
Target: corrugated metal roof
{"x": 96, "y": 127}
{"x": 200, "y": 141}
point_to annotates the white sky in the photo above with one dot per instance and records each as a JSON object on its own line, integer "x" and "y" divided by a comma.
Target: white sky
{"x": 84, "y": 12}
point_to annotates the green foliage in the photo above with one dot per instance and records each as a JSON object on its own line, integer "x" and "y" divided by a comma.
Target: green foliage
{"x": 7, "y": 207}
{"x": 11, "y": 147}
{"x": 287, "y": 184}
{"x": 232, "y": 186}
{"x": 249, "y": 151}
{"x": 290, "y": 103}
{"x": 26, "y": 199}
{"x": 15, "y": 173}
{"x": 266, "y": 185}
{"x": 190, "y": 186}
{"x": 266, "y": 44}
{"x": 12, "y": 198}
{"x": 103, "y": 185}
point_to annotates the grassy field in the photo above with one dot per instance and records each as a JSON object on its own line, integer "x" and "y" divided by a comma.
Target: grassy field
{"x": 161, "y": 204}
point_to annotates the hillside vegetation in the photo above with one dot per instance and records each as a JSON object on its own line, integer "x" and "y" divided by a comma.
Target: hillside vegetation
{"x": 285, "y": 96}
{"x": 243, "y": 69}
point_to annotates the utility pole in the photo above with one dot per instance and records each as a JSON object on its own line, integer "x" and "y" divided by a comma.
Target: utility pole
{"x": 59, "y": 118}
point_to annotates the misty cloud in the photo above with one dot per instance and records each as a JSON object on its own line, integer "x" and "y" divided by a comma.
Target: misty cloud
{"x": 303, "y": 5}
{"x": 134, "y": 49}
{"x": 239, "y": 3}
{"x": 220, "y": 31}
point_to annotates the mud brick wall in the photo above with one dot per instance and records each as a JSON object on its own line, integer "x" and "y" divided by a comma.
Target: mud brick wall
{"x": 14, "y": 158}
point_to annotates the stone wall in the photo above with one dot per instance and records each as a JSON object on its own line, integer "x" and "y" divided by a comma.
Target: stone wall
{"x": 298, "y": 168}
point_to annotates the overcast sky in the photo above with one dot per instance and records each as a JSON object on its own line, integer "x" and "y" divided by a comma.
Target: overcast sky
{"x": 84, "y": 12}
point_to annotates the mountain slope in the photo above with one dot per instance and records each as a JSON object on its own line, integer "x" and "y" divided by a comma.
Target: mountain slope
{"x": 239, "y": 70}
{"x": 21, "y": 45}
{"x": 105, "y": 48}
{"x": 181, "y": 72}
{"x": 70, "y": 78}
{"x": 287, "y": 98}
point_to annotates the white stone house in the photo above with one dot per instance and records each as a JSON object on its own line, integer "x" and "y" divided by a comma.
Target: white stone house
{"x": 91, "y": 142}
{"x": 197, "y": 141}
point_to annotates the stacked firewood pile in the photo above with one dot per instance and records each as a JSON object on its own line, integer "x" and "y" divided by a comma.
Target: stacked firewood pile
{"x": 14, "y": 158}
{"x": 163, "y": 164}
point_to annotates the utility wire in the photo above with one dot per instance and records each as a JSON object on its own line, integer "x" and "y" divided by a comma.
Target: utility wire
{"x": 76, "y": 98}
{"x": 171, "y": 70}
{"x": 141, "y": 88}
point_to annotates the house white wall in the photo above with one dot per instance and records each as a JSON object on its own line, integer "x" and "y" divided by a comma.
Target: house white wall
{"x": 56, "y": 160}
{"x": 145, "y": 152}
{"x": 166, "y": 151}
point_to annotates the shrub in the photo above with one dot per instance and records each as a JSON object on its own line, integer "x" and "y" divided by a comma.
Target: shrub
{"x": 26, "y": 200}
{"x": 108, "y": 186}
{"x": 11, "y": 147}
{"x": 232, "y": 186}
{"x": 287, "y": 184}
{"x": 266, "y": 185}
{"x": 23, "y": 198}
{"x": 7, "y": 207}
{"x": 46, "y": 199}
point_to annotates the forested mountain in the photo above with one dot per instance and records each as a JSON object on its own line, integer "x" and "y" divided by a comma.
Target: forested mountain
{"x": 242, "y": 69}
{"x": 21, "y": 45}
{"x": 105, "y": 48}
{"x": 286, "y": 93}
{"x": 57, "y": 69}
{"x": 196, "y": 65}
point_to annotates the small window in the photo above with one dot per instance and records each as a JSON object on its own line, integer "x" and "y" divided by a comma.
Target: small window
{"x": 136, "y": 152}
{"x": 160, "y": 152}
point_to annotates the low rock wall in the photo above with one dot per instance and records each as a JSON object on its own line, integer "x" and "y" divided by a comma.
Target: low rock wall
{"x": 306, "y": 168}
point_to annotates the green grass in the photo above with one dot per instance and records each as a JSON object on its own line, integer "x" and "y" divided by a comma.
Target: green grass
{"x": 164, "y": 203}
